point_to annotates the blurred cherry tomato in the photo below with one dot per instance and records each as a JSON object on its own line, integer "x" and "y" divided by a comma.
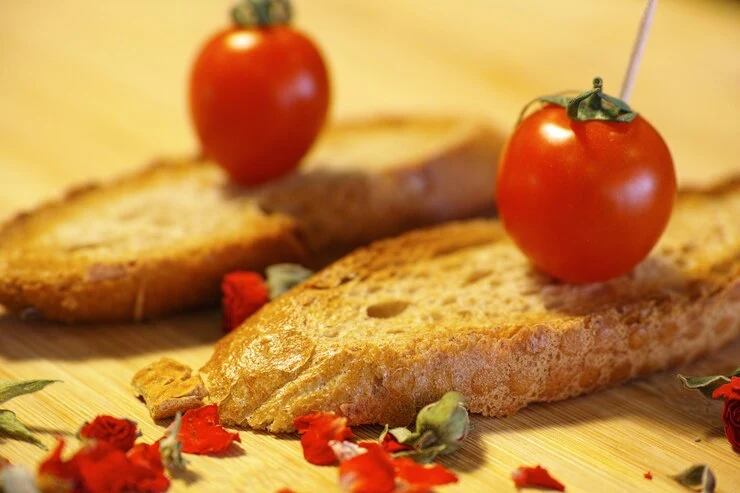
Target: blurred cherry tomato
{"x": 585, "y": 200}
{"x": 259, "y": 97}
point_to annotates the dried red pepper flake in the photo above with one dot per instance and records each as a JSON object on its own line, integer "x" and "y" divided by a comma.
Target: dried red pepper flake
{"x": 371, "y": 472}
{"x": 422, "y": 478}
{"x": 243, "y": 293}
{"x": 536, "y": 476}
{"x": 147, "y": 468}
{"x": 317, "y": 431}
{"x": 56, "y": 467}
{"x": 102, "y": 468}
{"x": 648, "y": 475}
{"x": 121, "y": 433}
{"x": 99, "y": 467}
{"x": 201, "y": 432}
{"x": 391, "y": 445}
{"x": 730, "y": 392}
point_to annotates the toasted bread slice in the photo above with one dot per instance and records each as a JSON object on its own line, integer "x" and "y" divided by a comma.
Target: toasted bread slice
{"x": 159, "y": 241}
{"x": 457, "y": 307}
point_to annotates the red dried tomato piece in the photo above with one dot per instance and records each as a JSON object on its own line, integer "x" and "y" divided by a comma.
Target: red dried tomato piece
{"x": 648, "y": 475}
{"x": 56, "y": 467}
{"x": 243, "y": 293}
{"x": 121, "y": 433}
{"x": 730, "y": 392}
{"x": 536, "y": 476}
{"x": 422, "y": 478}
{"x": 391, "y": 445}
{"x": 102, "y": 468}
{"x": 202, "y": 433}
{"x": 318, "y": 430}
{"x": 371, "y": 472}
{"x": 147, "y": 469}
{"x": 99, "y": 467}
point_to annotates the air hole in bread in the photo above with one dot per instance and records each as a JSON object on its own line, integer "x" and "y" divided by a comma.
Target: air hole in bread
{"x": 387, "y": 309}
{"x": 449, "y": 300}
{"x": 476, "y": 276}
{"x": 450, "y": 249}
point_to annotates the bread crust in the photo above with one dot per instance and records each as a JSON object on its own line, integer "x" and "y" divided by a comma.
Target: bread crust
{"x": 50, "y": 284}
{"x": 379, "y": 333}
{"x": 332, "y": 206}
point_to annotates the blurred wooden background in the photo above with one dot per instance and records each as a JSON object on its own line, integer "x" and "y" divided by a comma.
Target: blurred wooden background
{"x": 91, "y": 88}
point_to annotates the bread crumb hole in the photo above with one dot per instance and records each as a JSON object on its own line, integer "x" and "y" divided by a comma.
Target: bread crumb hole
{"x": 450, "y": 249}
{"x": 476, "y": 276}
{"x": 387, "y": 309}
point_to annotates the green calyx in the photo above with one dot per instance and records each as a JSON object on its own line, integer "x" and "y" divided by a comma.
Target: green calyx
{"x": 441, "y": 428}
{"x": 593, "y": 104}
{"x": 261, "y": 13}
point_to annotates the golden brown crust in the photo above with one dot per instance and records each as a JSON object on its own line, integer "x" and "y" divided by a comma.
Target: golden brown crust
{"x": 168, "y": 387}
{"x": 395, "y": 325}
{"x": 86, "y": 276}
{"x": 159, "y": 241}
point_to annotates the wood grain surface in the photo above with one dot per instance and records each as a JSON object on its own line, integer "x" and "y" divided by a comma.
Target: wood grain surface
{"x": 90, "y": 89}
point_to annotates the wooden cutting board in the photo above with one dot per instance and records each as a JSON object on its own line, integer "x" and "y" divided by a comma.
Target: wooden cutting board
{"x": 90, "y": 89}
{"x": 599, "y": 443}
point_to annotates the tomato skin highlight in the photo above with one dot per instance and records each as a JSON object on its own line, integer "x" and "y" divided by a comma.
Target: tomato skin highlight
{"x": 585, "y": 201}
{"x": 259, "y": 98}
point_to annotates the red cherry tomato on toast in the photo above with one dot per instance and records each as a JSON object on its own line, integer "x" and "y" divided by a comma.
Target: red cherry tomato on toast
{"x": 259, "y": 97}
{"x": 585, "y": 200}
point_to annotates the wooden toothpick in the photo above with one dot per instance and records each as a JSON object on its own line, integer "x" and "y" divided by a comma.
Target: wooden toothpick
{"x": 637, "y": 49}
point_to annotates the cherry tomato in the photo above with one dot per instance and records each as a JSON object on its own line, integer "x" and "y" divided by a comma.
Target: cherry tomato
{"x": 259, "y": 97}
{"x": 585, "y": 200}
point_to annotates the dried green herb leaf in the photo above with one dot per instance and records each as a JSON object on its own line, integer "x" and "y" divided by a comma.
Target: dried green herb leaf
{"x": 448, "y": 419}
{"x": 707, "y": 385}
{"x": 10, "y": 389}
{"x": 171, "y": 448}
{"x": 441, "y": 428}
{"x": 698, "y": 477}
{"x": 17, "y": 479}
{"x": 403, "y": 435}
{"x": 282, "y": 277}
{"x": 423, "y": 455}
{"x": 11, "y": 427}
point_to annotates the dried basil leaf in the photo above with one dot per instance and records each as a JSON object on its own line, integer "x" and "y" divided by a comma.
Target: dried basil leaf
{"x": 402, "y": 435}
{"x": 707, "y": 385}
{"x": 10, "y": 426}
{"x": 423, "y": 455}
{"x": 282, "y": 277}
{"x": 448, "y": 419}
{"x": 698, "y": 477}
{"x": 10, "y": 389}
{"x": 441, "y": 428}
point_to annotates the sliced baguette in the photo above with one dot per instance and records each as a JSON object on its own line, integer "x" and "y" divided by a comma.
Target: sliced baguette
{"x": 159, "y": 241}
{"x": 393, "y": 326}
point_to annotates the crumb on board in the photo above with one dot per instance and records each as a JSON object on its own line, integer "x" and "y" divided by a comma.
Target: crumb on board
{"x": 167, "y": 386}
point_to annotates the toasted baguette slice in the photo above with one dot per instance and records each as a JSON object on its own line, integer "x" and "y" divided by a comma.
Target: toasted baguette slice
{"x": 393, "y": 326}
{"x": 158, "y": 242}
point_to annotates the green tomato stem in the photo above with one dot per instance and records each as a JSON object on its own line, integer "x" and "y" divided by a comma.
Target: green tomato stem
{"x": 261, "y": 13}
